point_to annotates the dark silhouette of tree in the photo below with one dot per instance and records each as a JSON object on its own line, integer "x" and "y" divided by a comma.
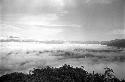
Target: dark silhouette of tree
{"x": 66, "y": 73}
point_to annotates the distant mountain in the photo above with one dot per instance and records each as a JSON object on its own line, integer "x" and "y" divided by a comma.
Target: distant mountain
{"x": 9, "y": 39}
{"x": 120, "y": 43}
{"x": 17, "y": 39}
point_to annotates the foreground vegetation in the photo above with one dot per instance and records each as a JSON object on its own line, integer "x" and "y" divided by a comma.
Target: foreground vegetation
{"x": 66, "y": 73}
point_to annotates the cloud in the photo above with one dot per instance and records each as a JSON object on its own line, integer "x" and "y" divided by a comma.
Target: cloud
{"x": 25, "y": 56}
{"x": 35, "y": 6}
{"x": 45, "y": 6}
{"x": 64, "y": 25}
{"x": 118, "y": 32}
{"x": 40, "y": 19}
{"x": 43, "y": 19}
{"x": 17, "y": 61}
{"x": 98, "y": 1}
{"x": 35, "y": 32}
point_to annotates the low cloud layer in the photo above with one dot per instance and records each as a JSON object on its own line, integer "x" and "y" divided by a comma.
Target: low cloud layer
{"x": 12, "y": 60}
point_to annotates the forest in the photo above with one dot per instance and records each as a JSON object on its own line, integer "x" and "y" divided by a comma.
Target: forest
{"x": 65, "y": 73}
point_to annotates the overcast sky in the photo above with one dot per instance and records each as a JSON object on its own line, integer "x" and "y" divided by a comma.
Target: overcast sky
{"x": 62, "y": 19}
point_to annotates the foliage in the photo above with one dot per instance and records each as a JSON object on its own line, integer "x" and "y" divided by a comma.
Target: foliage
{"x": 66, "y": 73}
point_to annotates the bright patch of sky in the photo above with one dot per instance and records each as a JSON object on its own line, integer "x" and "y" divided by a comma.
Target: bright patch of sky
{"x": 62, "y": 19}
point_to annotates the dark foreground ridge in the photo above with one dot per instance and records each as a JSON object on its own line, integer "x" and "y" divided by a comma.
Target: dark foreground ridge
{"x": 66, "y": 73}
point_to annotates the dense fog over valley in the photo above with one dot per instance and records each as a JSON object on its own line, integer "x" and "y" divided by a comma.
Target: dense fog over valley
{"x": 23, "y": 56}
{"x": 41, "y": 39}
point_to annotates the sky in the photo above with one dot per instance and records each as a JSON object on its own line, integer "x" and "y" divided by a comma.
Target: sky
{"x": 79, "y": 20}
